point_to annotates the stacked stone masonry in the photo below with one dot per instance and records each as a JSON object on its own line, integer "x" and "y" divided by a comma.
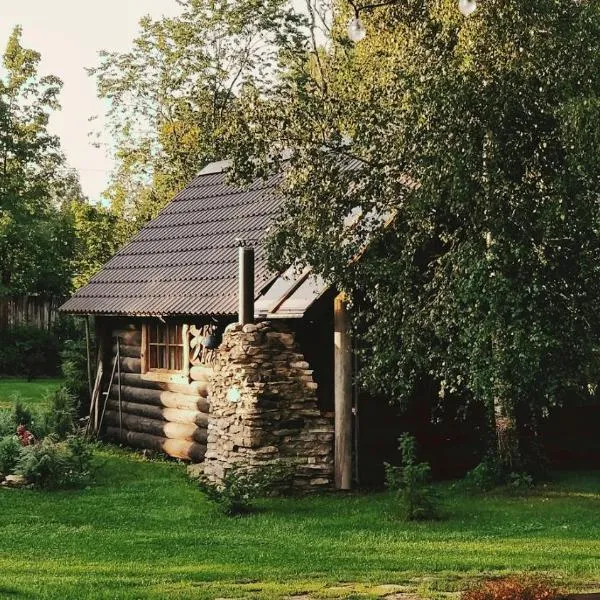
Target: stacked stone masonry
{"x": 264, "y": 409}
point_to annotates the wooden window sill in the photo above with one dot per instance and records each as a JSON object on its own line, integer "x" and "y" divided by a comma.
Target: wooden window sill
{"x": 167, "y": 376}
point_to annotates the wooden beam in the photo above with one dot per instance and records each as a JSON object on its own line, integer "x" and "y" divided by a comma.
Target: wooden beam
{"x": 89, "y": 355}
{"x": 343, "y": 394}
{"x": 178, "y": 448}
{"x": 144, "y": 349}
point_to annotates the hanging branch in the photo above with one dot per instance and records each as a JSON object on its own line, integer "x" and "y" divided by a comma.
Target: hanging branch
{"x": 367, "y": 7}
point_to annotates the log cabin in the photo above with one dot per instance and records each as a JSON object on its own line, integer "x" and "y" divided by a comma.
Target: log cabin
{"x": 206, "y": 355}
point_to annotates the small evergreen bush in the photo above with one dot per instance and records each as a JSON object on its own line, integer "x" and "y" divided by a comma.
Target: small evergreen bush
{"x": 10, "y": 450}
{"x": 79, "y": 462}
{"x": 74, "y": 370}
{"x": 411, "y": 483}
{"x": 52, "y": 464}
{"x": 22, "y": 415}
{"x": 241, "y": 486}
{"x": 33, "y": 419}
{"x": 7, "y": 422}
{"x": 61, "y": 414}
{"x": 487, "y": 475}
{"x": 520, "y": 480}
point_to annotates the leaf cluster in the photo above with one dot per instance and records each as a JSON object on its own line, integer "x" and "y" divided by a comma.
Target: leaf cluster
{"x": 462, "y": 156}
{"x": 410, "y": 483}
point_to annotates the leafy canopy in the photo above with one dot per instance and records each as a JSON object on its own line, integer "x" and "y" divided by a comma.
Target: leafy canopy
{"x": 480, "y": 137}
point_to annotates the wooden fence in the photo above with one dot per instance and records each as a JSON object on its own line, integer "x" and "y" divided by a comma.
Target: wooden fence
{"x": 28, "y": 310}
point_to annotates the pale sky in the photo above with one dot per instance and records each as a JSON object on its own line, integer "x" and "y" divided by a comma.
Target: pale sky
{"x": 69, "y": 34}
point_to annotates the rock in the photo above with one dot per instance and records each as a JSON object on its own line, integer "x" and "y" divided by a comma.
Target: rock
{"x": 250, "y": 328}
{"x": 14, "y": 481}
{"x": 233, "y": 327}
{"x": 301, "y": 364}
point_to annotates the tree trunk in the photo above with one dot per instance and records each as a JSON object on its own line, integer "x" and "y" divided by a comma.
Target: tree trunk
{"x": 507, "y": 439}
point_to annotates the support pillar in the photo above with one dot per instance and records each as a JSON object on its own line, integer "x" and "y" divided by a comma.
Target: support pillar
{"x": 343, "y": 394}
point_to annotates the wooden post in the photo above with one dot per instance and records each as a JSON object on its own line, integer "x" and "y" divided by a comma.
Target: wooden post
{"x": 119, "y": 394}
{"x": 343, "y": 395}
{"x": 89, "y": 355}
{"x": 246, "y": 285}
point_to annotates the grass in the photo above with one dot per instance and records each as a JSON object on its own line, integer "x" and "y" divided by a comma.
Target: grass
{"x": 144, "y": 531}
{"x": 30, "y": 393}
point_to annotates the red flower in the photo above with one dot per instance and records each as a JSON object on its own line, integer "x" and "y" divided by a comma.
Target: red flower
{"x": 26, "y": 438}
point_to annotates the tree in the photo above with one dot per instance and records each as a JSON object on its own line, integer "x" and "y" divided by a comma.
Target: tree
{"x": 172, "y": 94}
{"x": 466, "y": 152}
{"x": 96, "y": 239}
{"x": 35, "y": 235}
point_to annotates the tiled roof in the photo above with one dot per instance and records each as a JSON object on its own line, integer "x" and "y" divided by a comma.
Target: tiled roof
{"x": 184, "y": 262}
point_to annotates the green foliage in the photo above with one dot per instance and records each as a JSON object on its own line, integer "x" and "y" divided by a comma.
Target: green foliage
{"x": 51, "y": 464}
{"x": 173, "y": 94}
{"x": 7, "y": 422}
{"x": 74, "y": 370}
{"x": 22, "y": 415}
{"x": 96, "y": 231}
{"x": 479, "y": 136}
{"x": 487, "y": 475}
{"x": 411, "y": 484}
{"x": 241, "y": 486}
{"x": 32, "y": 418}
{"x": 36, "y": 239}
{"x": 79, "y": 462}
{"x": 29, "y": 352}
{"x": 10, "y": 450}
{"x": 520, "y": 481}
{"x": 61, "y": 413}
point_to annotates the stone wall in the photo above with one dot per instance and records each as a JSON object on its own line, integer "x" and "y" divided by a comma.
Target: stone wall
{"x": 263, "y": 408}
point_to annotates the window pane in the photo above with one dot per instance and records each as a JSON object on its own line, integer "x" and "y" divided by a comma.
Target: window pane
{"x": 165, "y": 346}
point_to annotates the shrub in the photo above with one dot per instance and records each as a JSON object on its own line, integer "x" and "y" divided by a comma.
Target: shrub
{"x": 10, "y": 449}
{"x": 410, "y": 482}
{"x": 22, "y": 415}
{"x": 7, "y": 422}
{"x": 51, "y": 464}
{"x": 241, "y": 486}
{"x": 520, "y": 481}
{"x": 33, "y": 419}
{"x": 512, "y": 589}
{"x": 74, "y": 370}
{"x": 61, "y": 414}
{"x": 28, "y": 351}
{"x": 487, "y": 475}
{"x": 79, "y": 462}
{"x": 42, "y": 464}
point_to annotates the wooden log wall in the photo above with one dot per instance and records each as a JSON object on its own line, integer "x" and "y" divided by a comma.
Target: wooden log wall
{"x": 164, "y": 416}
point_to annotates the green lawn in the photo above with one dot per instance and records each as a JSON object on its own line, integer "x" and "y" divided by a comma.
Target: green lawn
{"x": 29, "y": 392}
{"x": 144, "y": 531}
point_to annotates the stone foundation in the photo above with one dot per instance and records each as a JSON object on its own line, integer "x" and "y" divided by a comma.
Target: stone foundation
{"x": 263, "y": 408}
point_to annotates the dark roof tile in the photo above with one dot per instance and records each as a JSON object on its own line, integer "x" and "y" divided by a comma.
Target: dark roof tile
{"x": 184, "y": 262}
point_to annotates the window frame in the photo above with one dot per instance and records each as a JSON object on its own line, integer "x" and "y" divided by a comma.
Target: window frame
{"x": 156, "y": 374}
